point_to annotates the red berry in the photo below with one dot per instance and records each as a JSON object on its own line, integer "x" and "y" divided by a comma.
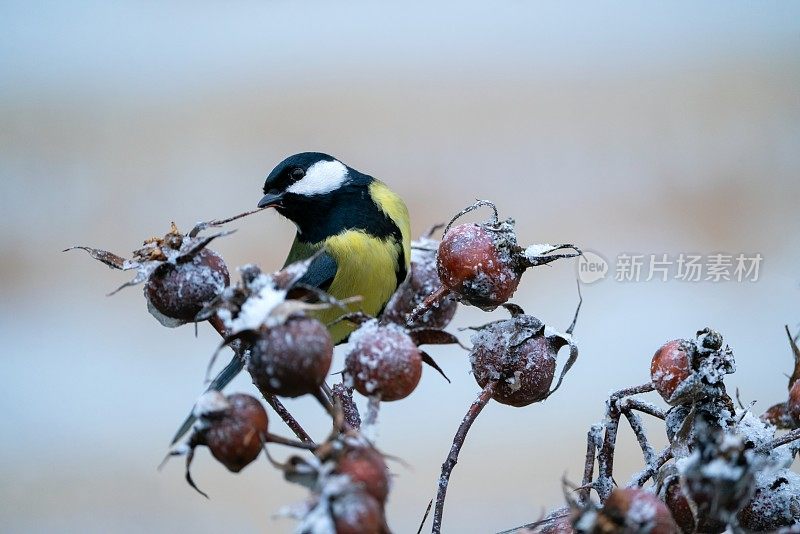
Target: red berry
{"x": 357, "y": 512}
{"x": 235, "y": 436}
{"x": 517, "y": 355}
{"x": 775, "y": 503}
{"x": 477, "y": 264}
{"x": 422, "y": 280}
{"x": 383, "y": 361}
{"x": 793, "y": 404}
{"x": 671, "y": 366}
{"x": 180, "y": 290}
{"x": 291, "y": 359}
{"x": 681, "y": 510}
{"x": 635, "y": 510}
{"x": 366, "y": 469}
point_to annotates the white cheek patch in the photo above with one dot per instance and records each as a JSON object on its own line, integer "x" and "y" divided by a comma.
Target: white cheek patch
{"x": 322, "y": 177}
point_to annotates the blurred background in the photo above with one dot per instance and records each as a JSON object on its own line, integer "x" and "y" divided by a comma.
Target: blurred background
{"x": 647, "y": 128}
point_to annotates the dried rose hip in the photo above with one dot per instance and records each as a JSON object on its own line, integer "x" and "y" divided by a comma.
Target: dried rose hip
{"x": 423, "y": 279}
{"x": 481, "y": 264}
{"x": 478, "y": 264}
{"x": 519, "y": 355}
{"x": 291, "y": 359}
{"x": 357, "y": 512}
{"x": 635, "y": 510}
{"x": 180, "y": 290}
{"x": 233, "y": 428}
{"x": 235, "y": 436}
{"x": 182, "y": 275}
{"x": 383, "y": 361}
{"x": 683, "y": 371}
{"x": 793, "y": 404}
{"x": 775, "y": 503}
{"x": 365, "y": 467}
{"x": 675, "y": 499}
{"x": 349, "y": 484}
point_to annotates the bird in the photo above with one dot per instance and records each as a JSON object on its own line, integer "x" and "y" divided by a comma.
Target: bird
{"x": 355, "y": 228}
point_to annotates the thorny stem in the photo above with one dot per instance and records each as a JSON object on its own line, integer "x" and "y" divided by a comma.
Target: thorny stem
{"x": 636, "y": 425}
{"x": 653, "y": 468}
{"x": 343, "y": 397}
{"x": 290, "y": 421}
{"x": 431, "y": 301}
{"x": 783, "y": 440}
{"x": 588, "y": 470}
{"x": 452, "y": 458}
{"x": 605, "y": 458}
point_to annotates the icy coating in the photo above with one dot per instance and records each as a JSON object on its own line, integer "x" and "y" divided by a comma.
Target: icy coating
{"x": 258, "y": 309}
{"x": 382, "y": 359}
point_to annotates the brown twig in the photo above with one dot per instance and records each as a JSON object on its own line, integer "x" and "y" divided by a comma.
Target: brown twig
{"x": 783, "y": 440}
{"x": 652, "y": 469}
{"x": 452, "y": 458}
{"x": 290, "y": 421}
{"x": 593, "y": 442}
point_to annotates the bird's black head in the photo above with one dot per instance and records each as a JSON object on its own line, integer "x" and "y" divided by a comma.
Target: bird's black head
{"x": 315, "y": 190}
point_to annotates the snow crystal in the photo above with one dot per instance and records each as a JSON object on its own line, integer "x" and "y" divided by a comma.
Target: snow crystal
{"x": 534, "y": 251}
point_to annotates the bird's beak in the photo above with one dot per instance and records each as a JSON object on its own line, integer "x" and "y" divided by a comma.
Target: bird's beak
{"x": 271, "y": 200}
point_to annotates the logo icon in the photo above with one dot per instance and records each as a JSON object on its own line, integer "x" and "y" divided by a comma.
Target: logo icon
{"x": 591, "y": 267}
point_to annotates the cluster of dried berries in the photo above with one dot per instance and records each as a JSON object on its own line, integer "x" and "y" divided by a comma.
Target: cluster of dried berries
{"x": 349, "y": 483}
{"x": 267, "y": 319}
{"x": 730, "y": 471}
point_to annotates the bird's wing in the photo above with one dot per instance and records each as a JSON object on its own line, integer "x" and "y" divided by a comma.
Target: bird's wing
{"x": 222, "y": 379}
{"x": 321, "y": 272}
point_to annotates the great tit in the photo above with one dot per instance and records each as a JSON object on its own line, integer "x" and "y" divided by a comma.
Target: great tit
{"x": 361, "y": 226}
{"x": 358, "y": 228}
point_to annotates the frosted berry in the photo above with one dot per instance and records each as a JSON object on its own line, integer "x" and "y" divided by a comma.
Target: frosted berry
{"x": 635, "y": 510}
{"x": 180, "y": 290}
{"x": 383, "y": 361}
{"x": 478, "y": 265}
{"x": 366, "y": 469}
{"x": 235, "y": 435}
{"x": 519, "y": 355}
{"x": 291, "y": 359}
{"x": 423, "y": 279}
{"x": 357, "y": 512}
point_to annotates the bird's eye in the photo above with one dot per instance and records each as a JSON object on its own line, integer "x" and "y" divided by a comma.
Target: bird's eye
{"x": 297, "y": 174}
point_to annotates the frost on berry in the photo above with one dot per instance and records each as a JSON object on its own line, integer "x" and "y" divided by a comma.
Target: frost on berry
{"x": 180, "y": 274}
{"x": 422, "y": 280}
{"x": 289, "y": 354}
{"x": 482, "y": 264}
{"x": 233, "y": 428}
{"x": 519, "y": 355}
{"x": 684, "y": 371}
{"x": 383, "y": 361}
{"x": 349, "y": 484}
